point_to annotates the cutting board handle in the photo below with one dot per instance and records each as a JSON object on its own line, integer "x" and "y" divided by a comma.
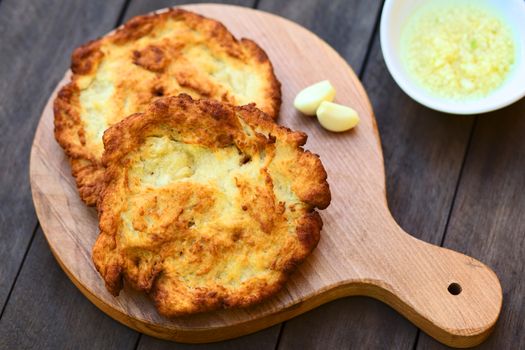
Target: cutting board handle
{"x": 451, "y": 296}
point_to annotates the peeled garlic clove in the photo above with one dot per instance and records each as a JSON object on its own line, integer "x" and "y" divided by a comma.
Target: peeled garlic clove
{"x": 308, "y": 100}
{"x": 336, "y": 117}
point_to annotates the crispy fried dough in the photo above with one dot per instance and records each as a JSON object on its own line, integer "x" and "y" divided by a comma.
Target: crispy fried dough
{"x": 206, "y": 205}
{"x": 149, "y": 57}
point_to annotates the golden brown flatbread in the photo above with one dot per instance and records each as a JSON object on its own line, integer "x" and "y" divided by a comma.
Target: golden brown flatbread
{"x": 206, "y": 205}
{"x": 149, "y": 57}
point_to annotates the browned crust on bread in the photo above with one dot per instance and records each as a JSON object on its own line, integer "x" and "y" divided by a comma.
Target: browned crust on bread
{"x": 85, "y": 58}
{"x": 273, "y": 92}
{"x": 140, "y": 26}
{"x": 86, "y": 169}
{"x": 69, "y": 127}
{"x": 218, "y": 127}
{"x": 312, "y": 190}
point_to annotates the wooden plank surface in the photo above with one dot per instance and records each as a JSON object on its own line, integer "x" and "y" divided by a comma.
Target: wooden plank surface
{"x": 346, "y": 25}
{"x": 46, "y": 311}
{"x": 488, "y": 219}
{"x": 410, "y": 165}
{"x": 35, "y": 53}
{"x": 262, "y": 340}
{"x": 140, "y": 7}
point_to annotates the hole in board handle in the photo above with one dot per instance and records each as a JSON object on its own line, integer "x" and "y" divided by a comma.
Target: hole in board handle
{"x": 454, "y": 288}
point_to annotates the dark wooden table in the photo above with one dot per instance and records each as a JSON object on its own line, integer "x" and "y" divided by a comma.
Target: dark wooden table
{"x": 456, "y": 181}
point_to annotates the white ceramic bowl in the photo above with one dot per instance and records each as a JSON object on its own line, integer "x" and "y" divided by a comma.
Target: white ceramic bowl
{"x": 396, "y": 13}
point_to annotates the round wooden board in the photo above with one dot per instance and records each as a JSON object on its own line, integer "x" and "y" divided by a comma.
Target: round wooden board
{"x": 362, "y": 250}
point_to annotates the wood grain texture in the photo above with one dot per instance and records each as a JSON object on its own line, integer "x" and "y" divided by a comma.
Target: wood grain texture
{"x": 363, "y": 251}
{"x": 33, "y": 60}
{"x": 262, "y": 340}
{"x": 349, "y": 323}
{"x": 488, "y": 221}
{"x": 44, "y": 310}
{"x": 47, "y": 312}
{"x": 423, "y": 152}
{"x": 139, "y": 7}
{"x": 346, "y": 25}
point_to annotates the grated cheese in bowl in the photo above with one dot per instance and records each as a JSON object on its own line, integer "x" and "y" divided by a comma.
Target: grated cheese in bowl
{"x": 457, "y": 51}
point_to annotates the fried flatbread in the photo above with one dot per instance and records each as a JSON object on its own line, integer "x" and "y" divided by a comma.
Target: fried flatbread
{"x": 152, "y": 56}
{"x": 206, "y": 205}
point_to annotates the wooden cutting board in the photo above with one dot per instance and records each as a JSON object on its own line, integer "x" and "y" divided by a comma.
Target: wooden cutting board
{"x": 452, "y": 297}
